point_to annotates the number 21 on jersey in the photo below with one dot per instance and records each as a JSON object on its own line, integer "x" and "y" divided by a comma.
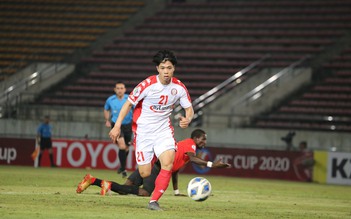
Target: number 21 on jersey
{"x": 140, "y": 156}
{"x": 164, "y": 100}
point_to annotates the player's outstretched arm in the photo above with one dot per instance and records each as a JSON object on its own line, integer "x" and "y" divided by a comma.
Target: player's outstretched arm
{"x": 199, "y": 161}
{"x": 220, "y": 164}
{"x": 175, "y": 184}
{"x": 195, "y": 159}
{"x": 175, "y": 180}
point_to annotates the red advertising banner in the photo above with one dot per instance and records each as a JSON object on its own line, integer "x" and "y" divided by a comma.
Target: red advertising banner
{"x": 253, "y": 164}
{"x": 16, "y": 151}
{"x": 87, "y": 154}
{"x": 104, "y": 155}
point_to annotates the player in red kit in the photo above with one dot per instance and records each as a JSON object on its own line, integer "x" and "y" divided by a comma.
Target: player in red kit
{"x": 154, "y": 100}
{"x": 186, "y": 151}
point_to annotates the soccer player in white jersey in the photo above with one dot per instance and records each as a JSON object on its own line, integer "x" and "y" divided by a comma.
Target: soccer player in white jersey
{"x": 154, "y": 99}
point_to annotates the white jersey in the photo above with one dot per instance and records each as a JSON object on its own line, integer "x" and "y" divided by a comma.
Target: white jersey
{"x": 154, "y": 103}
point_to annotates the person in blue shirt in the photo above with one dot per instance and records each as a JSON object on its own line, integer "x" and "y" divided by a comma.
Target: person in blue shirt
{"x": 44, "y": 140}
{"x": 112, "y": 108}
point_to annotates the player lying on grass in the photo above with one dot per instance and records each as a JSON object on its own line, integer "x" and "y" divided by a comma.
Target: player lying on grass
{"x": 186, "y": 151}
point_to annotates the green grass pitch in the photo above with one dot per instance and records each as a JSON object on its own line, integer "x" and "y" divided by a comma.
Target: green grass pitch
{"x": 27, "y": 192}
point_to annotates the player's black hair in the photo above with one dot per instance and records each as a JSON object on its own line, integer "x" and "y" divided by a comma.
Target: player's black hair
{"x": 197, "y": 133}
{"x": 164, "y": 55}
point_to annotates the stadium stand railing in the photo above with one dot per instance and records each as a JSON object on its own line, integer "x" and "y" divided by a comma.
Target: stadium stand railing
{"x": 322, "y": 106}
{"x": 214, "y": 93}
{"x": 16, "y": 92}
{"x": 255, "y": 94}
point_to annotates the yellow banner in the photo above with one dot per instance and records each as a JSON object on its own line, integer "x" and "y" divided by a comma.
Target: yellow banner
{"x": 320, "y": 166}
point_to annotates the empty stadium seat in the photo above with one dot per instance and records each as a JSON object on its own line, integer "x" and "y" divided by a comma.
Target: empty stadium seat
{"x": 39, "y": 30}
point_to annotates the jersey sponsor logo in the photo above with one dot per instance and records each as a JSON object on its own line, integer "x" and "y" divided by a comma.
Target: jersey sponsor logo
{"x": 136, "y": 91}
{"x": 193, "y": 147}
{"x": 174, "y": 91}
{"x": 160, "y": 108}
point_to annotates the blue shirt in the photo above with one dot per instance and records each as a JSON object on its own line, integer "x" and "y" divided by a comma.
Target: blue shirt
{"x": 44, "y": 130}
{"x": 114, "y": 105}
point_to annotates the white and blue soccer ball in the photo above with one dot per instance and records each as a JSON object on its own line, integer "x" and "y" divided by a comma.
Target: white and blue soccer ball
{"x": 199, "y": 189}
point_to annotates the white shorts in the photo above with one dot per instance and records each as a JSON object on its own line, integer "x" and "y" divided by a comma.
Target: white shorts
{"x": 149, "y": 145}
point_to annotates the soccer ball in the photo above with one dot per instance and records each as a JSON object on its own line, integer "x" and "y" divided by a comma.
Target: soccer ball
{"x": 199, "y": 189}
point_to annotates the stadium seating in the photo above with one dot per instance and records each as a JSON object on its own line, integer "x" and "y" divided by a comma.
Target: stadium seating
{"x": 213, "y": 40}
{"x": 325, "y": 105}
{"x": 49, "y": 31}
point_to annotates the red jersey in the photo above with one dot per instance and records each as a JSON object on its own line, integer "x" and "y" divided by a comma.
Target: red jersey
{"x": 181, "y": 158}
